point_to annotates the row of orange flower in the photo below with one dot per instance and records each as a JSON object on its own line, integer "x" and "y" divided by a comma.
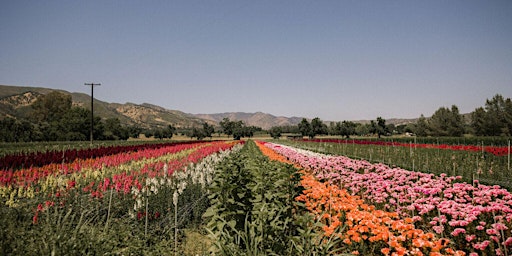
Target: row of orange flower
{"x": 361, "y": 227}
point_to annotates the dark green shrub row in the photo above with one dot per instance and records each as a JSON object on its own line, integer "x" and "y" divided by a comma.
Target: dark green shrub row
{"x": 252, "y": 206}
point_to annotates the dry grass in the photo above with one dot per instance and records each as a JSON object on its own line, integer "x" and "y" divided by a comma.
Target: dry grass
{"x": 195, "y": 243}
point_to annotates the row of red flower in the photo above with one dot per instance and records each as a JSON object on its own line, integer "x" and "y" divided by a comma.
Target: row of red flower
{"x": 498, "y": 151}
{"x": 27, "y": 176}
{"x": 36, "y": 159}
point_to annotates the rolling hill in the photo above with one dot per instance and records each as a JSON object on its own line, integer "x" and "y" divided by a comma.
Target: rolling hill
{"x": 15, "y": 102}
{"x": 263, "y": 120}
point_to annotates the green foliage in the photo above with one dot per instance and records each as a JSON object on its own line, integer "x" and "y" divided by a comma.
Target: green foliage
{"x": 304, "y": 127}
{"x": 275, "y": 132}
{"x": 446, "y": 122}
{"x": 51, "y": 107}
{"x": 345, "y": 128}
{"x": 316, "y": 127}
{"x": 379, "y": 127}
{"x": 53, "y": 118}
{"x": 237, "y": 128}
{"x": 421, "y": 127}
{"x": 164, "y": 133}
{"x": 12, "y": 130}
{"x": 495, "y": 119}
{"x": 208, "y": 130}
{"x": 200, "y": 134}
{"x": 252, "y": 210}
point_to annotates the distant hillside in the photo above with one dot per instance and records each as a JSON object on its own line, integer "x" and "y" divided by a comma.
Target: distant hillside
{"x": 263, "y": 120}
{"x": 395, "y": 121}
{"x": 15, "y": 102}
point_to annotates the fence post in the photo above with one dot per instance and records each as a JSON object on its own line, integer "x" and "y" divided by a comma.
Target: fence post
{"x": 508, "y": 161}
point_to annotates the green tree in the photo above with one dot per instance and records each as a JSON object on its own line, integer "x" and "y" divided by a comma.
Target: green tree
{"x": 456, "y": 125}
{"x": 75, "y": 125}
{"x": 421, "y": 126}
{"x": 148, "y": 133}
{"x": 347, "y": 128}
{"x": 363, "y": 129}
{"x": 114, "y": 130}
{"x": 238, "y": 130}
{"x": 7, "y": 128}
{"x": 227, "y": 126}
{"x": 12, "y": 130}
{"x": 168, "y": 131}
{"x": 275, "y": 132}
{"x": 51, "y": 107}
{"x": 208, "y": 130}
{"x": 304, "y": 127}
{"x": 379, "y": 127}
{"x": 235, "y": 128}
{"x": 134, "y": 131}
{"x": 446, "y": 122}
{"x": 494, "y": 119}
{"x": 317, "y": 127}
{"x": 197, "y": 133}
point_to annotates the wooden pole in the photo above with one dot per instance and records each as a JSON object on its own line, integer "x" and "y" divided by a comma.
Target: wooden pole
{"x": 92, "y": 106}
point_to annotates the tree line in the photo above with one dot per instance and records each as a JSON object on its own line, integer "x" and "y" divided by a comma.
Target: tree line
{"x": 493, "y": 119}
{"x": 54, "y": 118}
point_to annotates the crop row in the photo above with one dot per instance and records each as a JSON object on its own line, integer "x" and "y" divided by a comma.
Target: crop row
{"x": 89, "y": 173}
{"x": 475, "y": 217}
{"x": 495, "y": 150}
{"x": 20, "y": 160}
{"x": 252, "y": 205}
{"x": 485, "y": 167}
{"x": 131, "y": 204}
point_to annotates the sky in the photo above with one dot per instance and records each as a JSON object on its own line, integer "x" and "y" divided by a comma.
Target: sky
{"x": 337, "y": 60}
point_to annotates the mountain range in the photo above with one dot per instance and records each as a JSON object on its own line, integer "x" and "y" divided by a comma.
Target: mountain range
{"x": 15, "y": 102}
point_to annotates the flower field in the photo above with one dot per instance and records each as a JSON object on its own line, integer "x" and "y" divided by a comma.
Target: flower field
{"x": 470, "y": 218}
{"x": 495, "y": 150}
{"x": 130, "y": 202}
{"x": 490, "y": 165}
{"x": 252, "y": 198}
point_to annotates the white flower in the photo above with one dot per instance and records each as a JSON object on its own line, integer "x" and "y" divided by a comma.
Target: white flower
{"x": 175, "y": 198}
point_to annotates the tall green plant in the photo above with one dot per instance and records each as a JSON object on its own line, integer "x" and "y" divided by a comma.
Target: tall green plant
{"x": 253, "y": 210}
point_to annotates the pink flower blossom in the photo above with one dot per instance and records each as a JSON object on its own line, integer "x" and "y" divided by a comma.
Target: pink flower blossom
{"x": 508, "y": 242}
{"x": 482, "y": 245}
{"x": 499, "y": 226}
{"x": 470, "y": 238}
{"x": 458, "y": 231}
{"x": 491, "y": 231}
{"x": 438, "y": 229}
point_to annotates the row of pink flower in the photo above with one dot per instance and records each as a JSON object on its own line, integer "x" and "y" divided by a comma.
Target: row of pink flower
{"x": 477, "y": 216}
{"x": 495, "y": 150}
{"x": 25, "y": 177}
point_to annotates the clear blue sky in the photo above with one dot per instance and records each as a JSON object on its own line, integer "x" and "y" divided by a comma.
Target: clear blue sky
{"x": 338, "y": 60}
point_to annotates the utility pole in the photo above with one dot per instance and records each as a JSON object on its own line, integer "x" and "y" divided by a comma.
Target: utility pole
{"x": 92, "y": 106}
